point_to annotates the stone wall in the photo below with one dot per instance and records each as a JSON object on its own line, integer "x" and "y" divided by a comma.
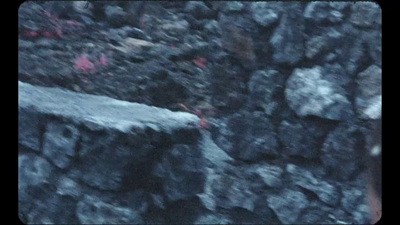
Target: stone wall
{"x": 296, "y": 87}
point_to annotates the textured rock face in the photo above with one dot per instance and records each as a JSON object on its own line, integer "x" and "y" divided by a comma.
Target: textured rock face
{"x": 266, "y": 13}
{"x": 247, "y": 137}
{"x": 279, "y": 101}
{"x": 182, "y": 171}
{"x": 369, "y": 97}
{"x": 94, "y": 211}
{"x": 263, "y": 88}
{"x": 289, "y": 202}
{"x": 339, "y": 152}
{"x": 287, "y": 39}
{"x": 308, "y": 93}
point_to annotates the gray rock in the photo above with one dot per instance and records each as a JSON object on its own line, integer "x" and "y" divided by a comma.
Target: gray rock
{"x": 247, "y": 137}
{"x": 198, "y": 9}
{"x": 59, "y": 143}
{"x": 183, "y": 174}
{"x": 351, "y": 198}
{"x": 325, "y": 191}
{"x": 68, "y": 187}
{"x": 316, "y": 46}
{"x": 33, "y": 171}
{"x": 374, "y": 43}
{"x": 266, "y": 13}
{"x": 233, "y": 6}
{"x": 366, "y": 14}
{"x": 212, "y": 28}
{"x": 212, "y": 219}
{"x": 29, "y": 127}
{"x": 300, "y": 139}
{"x": 339, "y": 152}
{"x": 270, "y": 175}
{"x": 322, "y": 12}
{"x": 287, "y": 39}
{"x": 92, "y": 210}
{"x": 263, "y": 86}
{"x": 308, "y": 93}
{"x": 369, "y": 94}
{"x": 115, "y": 15}
{"x": 215, "y": 156}
{"x": 288, "y": 205}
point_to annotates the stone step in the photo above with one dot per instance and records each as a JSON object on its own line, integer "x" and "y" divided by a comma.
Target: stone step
{"x": 99, "y": 139}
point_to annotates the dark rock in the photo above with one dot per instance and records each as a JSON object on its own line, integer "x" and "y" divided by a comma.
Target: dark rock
{"x": 247, "y": 137}
{"x": 212, "y": 219}
{"x": 238, "y": 33}
{"x": 335, "y": 73}
{"x": 228, "y": 86}
{"x": 324, "y": 12}
{"x": 339, "y": 151}
{"x": 198, "y": 9}
{"x": 369, "y": 93}
{"x": 308, "y": 93}
{"x": 300, "y": 139}
{"x": 230, "y": 190}
{"x": 287, "y": 39}
{"x": 288, "y": 205}
{"x": 94, "y": 211}
{"x": 182, "y": 171}
{"x": 38, "y": 201}
{"x": 233, "y": 6}
{"x": 325, "y": 191}
{"x": 270, "y": 175}
{"x": 316, "y": 46}
{"x": 266, "y": 13}
{"x": 68, "y": 187}
{"x": 374, "y": 43}
{"x": 115, "y": 15}
{"x": 366, "y": 14}
{"x": 264, "y": 85}
{"x": 59, "y": 143}
{"x": 265, "y": 213}
{"x": 33, "y": 171}
{"x": 29, "y": 127}
{"x": 212, "y": 28}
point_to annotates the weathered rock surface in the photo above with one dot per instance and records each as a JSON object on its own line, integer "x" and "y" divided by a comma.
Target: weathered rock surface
{"x": 369, "y": 94}
{"x": 263, "y": 88}
{"x": 366, "y": 14}
{"x": 266, "y": 13}
{"x": 287, "y": 39}
{"x": 276, "y": 83}
{"x": 94, "y": 211}
{"x": 300, "y": 139}
{"x": 287, "y": 203}
{"x": 247, "y": 137}
{"x": 308, "y": 93}
{"x": 326, "y": 192}
{"x": 339, "y": 151}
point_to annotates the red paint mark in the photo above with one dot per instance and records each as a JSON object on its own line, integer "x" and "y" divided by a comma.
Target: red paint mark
{"x": 31, "y": 33}
{"x": 103, "y": 60}
{"x": 48, "y": 34}
{"x": 84, "y": 64}
{"x": 173, "y": 47}
{"x": 200, "y": 62}
{"x": 184, "y": 107}
{"x": 203, "y": 123}
{"x": 198, "y": 113}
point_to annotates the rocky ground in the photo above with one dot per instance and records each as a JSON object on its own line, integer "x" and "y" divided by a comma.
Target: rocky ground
{"x": 287, "y": 91}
